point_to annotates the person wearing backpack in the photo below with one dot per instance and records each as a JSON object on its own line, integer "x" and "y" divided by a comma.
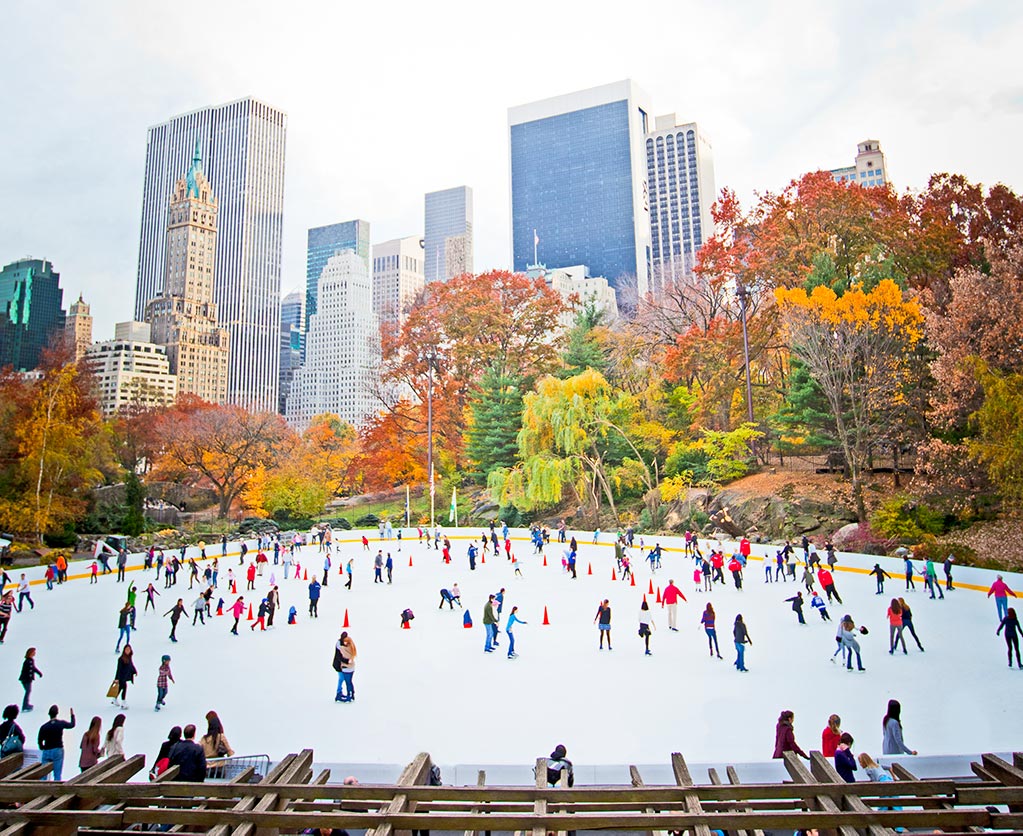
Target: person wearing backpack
{"x": 29, "y": 672}
{"x": 12, "y": 738}
{"x": 557, "y": 765}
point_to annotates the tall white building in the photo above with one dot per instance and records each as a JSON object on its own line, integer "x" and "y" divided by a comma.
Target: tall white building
{"x": 680, "y": 178}
{"x": 448, "y": 239}
{"x": 397, "y": 277}
{"x": 342, "y": 348}
{"x": 244, "y": 144}
{"x": 131, "y": 371}
{"x": 868, "y": 169}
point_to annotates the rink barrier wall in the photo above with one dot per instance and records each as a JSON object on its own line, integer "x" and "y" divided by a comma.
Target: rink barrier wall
{"x": 294, "y": 797}
{"x": 850, "y": 563}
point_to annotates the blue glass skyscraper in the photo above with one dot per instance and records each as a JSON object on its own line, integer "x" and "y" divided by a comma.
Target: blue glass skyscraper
{"x": 578, "y": 184}
{"x": 448, "y": 239}
{"x": 325, "y": 241}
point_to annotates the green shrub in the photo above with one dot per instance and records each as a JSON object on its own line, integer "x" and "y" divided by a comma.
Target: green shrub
{"x": 367, "y": 521}
{"x": 339, "y": 522}
{"x": 931, "y": 548}
{"x": 908, "y": 520}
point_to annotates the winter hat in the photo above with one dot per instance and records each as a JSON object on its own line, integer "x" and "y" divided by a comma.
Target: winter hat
{"x": 165, "y": 658}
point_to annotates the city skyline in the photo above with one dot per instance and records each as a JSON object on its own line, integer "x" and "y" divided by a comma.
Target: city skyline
{"x": 776, "y": 100}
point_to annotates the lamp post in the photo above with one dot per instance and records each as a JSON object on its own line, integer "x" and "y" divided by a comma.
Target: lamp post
{"x": 430, "y": 358}
{"x": 742, "y": 293}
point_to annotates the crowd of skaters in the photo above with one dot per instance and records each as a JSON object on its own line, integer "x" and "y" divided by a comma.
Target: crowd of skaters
{"x": 289, "y": 556}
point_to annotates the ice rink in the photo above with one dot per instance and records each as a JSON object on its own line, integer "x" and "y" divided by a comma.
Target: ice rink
{"x": 432, "y": 688}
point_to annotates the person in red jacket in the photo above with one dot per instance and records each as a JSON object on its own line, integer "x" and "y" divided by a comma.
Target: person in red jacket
{"x": 670, "y": 598}
{"x": 717, "y": 560}
{"x": 744, "y": 547}
{"x": 785, "y": 737}
{"x": 828, "y": 582}
{"x": 250, "y": 575}
{"x": 831, "y": 736}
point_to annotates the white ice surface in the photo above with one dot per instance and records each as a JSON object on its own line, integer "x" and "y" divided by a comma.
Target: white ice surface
{"x": 433, "y": 689}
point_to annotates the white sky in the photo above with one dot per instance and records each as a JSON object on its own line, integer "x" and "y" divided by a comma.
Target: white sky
{"x": 389, "y": 100}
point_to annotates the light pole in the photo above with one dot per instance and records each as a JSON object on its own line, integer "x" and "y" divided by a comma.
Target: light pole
{"x": 742, "y": 293}
{"x": 430, "y": 358}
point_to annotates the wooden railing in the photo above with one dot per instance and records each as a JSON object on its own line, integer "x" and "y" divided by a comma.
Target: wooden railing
{"x": 290, "y": 799}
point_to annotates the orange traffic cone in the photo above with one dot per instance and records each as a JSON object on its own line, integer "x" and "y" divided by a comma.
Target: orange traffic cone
{"x": 589, "y": 569}
{"x": 346, "y": 624}
{"x": 410, "y": 561}
{"x": 483, "y": 559}
{"x": 305, "y": 577}
{"x": 220, "y": 608}
{"x": 546, "y": 620}
{"x": 250, "y": 618}
{"x": 644, "y": 597}
{"x": 659, "y": 601}
{"x": 405, "y": 626}
{"x": 545, "y": 560}
{"x": 632, "y": 579}
{"x": 234, "y": 588}
{"x": 650, "y": 591}
{"x": 613, "y": 576}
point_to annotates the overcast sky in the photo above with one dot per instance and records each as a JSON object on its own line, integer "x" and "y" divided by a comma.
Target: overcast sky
{"x": 388, "y": 100}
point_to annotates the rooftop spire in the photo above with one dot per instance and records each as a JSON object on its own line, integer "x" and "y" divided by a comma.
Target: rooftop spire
{"x": 192, "y": 187}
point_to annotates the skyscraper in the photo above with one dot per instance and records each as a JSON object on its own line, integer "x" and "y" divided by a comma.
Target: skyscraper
{"x": 397, "y": 277}
{"x": 342, "y": 356}
{"x": 327, "y": 241}
{"x": 868, "y": 169}
{"x": 448, "y": 239}
{"x": 31, "y": 311}
{"x": 78, "y": 328}
{"x": 680, "y": 175}
{"x": 578, "y": 183}
{"x": 292, "y": 342}
{"x": 130, "y": 370}
{"x": 184, "y": 316}
{"x": 244, "y": 145}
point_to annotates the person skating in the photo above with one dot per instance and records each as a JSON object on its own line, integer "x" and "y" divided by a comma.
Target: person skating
{"x": 471, "y": 554}
{"x": 785, "y": 736}
{"x": 931, "y": 579}
{"x": 1010, "y": 623}
{"x": 449, "y": 599}
{"x": 51, "y": 742}
{"x": 509, "y": 626}
{"x": 349, "y": 572}
{"x": 808, "y": 579}
{"x": 797, "y": 606}
{"x": 163, "y": 677}
{"x": 25, "y": 594}
{"x": 123, "y": 626}
{"x": 892, "y": 742}
{"x": 199, "y": 610}
{"x": 895, "y": 627}
{"x": 742, "y": 638}
{"x": 389, "y": 567}
{"x": 260, "y": 621}
{"x": 818, "y": 604}
{"x": 113, "y": 743}
{"x": 880, "y": 574}
{"x": 29, "y": 672}
{"x": 909, "y": 572}
{"x": 490, "y": 625}
{"x": 850, "y": 643}
{"x": 326, "y": 569}
{"x": 735, "y": 567}
{"x": 646, "y": 625}
{"x": 827, "y": 582}
{"x": 1000, "y": 589}
{"x": 907, "y": 622}
{"x": 708, "y": 584}
{"x": 603, "y": 622}
{"x": 122, "y": 562}
{"x": 378, "y": 567}
{"x": 151, "y": 594}
{"x": 670, "y": 598}
{"x": 273, "y": 603}
{"x": 175, "y": 614}
{"x": 124, "y": 673}
{"x": 314, "y": 598}
{"x": 948, "y": 572}
{"x": 6, "y": 611}
{"x": 250, "y": 577}
{"x": 346, "y": 679}
{"x": 237, "y": 608}
{"x": 707, "y": 621}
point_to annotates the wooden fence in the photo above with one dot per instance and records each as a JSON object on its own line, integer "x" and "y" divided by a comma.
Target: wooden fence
{"x": 290, "y": 799}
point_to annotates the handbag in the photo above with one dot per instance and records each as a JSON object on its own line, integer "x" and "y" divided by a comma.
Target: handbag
{"x": 115, "y": 686}
{"x": 222, "y": 749}
{"x": 12, "y": 743}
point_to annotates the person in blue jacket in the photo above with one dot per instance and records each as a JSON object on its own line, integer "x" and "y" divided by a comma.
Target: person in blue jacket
{"x": 314, "y": 598}
{"x": 513, "y": 619}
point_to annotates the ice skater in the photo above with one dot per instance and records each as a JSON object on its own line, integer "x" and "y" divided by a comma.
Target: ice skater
{"x": 1010, "y": 623}
{"x": 895, "y": 627}
{"x": 603, "y": 622}
{"x": 907, "y": 622}
{"x": 237, "y": 608}
{"x": 818, "y": 604}
{"x": 707, "y": 621}
{"x": 742, "y": 638}
{"x": 646, "y": 625}
{"x": 509, "y": 629}
{"x": 163, "y": 676}
{"x": 880, "y": 574}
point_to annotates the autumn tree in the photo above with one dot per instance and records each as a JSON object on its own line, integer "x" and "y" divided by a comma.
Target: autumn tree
{"x": 56, "y": 448}
{"x": 456, "y": 332}
{"x": 858, "y": 347}
{"x": 998, "y": 444}
{"x": 219, "y": 447}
